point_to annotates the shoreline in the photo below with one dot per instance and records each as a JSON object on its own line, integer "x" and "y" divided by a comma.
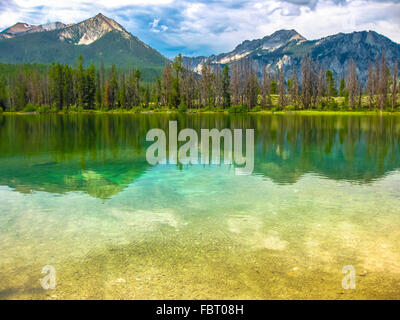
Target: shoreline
{"x": 262, "y": 112}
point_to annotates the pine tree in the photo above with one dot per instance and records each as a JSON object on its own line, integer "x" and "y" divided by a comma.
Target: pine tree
{"x": 3, "y": 95}
{"x": 175, "y": 99}
{"x": 122, "y": 92}
{"x": 352, "y": 83}
{"x": 21, "y": 90}
{"x": 102, "y": 84}
{"x": 226, "y": 82}
{"x": 331, "y": 85}
{"x": 274, "y": 87}
{"x": 342, "y": 88}
{"x": 252, "y": 86}
{"x": 68, "y": 86}
{"x": 57, "y": 85}
{"x": 146, "y": 96}
{"x": 81, "y": 83}
{"x": 130, "y": 92}
{"x": 91, "y": 87}
{"x": 157, "y": 91}
{"x": 166, "y": 83}
{"x": 112, "y": 88}
{"x": 138, "y": 77}
{"x": 99, "y": 91}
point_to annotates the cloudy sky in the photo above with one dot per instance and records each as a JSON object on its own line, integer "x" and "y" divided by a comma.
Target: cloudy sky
{"x": 205, "y": 27}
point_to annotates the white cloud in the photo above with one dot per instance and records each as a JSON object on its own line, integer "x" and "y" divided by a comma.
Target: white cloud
{"x": 100, "y": 3}
{"x": 68, "y": 11}
{"x": 156, "y": 27}
{"x": 222, "y": 29}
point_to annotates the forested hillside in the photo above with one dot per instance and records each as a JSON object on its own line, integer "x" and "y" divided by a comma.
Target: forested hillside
{"x": 64, "y": 88}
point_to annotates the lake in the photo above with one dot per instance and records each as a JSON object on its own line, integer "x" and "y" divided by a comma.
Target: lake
{"x": 77, "y": 194}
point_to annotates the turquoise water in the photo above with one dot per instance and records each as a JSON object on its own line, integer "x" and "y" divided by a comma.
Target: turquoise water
{"x": 77, "y": 193}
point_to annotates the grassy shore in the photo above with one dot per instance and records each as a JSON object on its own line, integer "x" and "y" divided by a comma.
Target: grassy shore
{"x": 336, "y": 106}
{"x": 208, "y": 111}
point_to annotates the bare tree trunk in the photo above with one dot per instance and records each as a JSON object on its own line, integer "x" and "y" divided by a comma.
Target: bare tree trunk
{"x": 282, "y": 99}
{"x": 295, "y": 87}
{"x": 235, "y": 83}
{"x": 383, "y": 83}
{"x": 306, "y": 90}
{"x": 371, "y": 85}
{"x": 266, "y": 89}
{"x": 321, "y": 86}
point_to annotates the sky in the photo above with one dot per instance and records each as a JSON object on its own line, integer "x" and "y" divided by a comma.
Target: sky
{"x": 209, "y": 27}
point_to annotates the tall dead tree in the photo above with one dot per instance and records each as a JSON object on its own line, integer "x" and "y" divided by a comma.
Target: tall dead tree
{"x": 206, "y": 87}
{"x": 281, "y": 88}
{"x": 321, "y": 86}
{"x": 307, "y": 81}
{"x": 188, "y": 86}
{"x": 266, "y": 89}
{"x": 235, "y": 84}
{"x": 294, "y": 88}
{"x": 371, "y": 85}
{"x": 395, "y": 84}
{"x": 383, "y": 83}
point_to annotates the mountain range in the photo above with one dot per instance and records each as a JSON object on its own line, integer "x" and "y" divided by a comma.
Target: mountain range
{"x": 284, "y": 48}
{"x": 101, "y": 39}
{"x": 98, "y": 39}
{"x": 21, "y": 28}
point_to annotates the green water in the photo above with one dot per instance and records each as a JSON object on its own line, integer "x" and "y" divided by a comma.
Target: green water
{"x": 77, "y": 193}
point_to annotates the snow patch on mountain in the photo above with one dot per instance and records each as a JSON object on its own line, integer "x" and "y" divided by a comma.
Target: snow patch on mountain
{"x": 22, "y": 28}
{"x": 232, "y": 58}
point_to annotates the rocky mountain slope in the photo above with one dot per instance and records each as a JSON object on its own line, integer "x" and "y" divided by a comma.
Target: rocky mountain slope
{"x": 287, "y": 47}
{"x": 22, "y": 28}
{"x": 91, "y": 30}
{"x": 98, "y": 39}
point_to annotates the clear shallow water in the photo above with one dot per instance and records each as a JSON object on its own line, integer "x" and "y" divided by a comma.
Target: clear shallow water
{"x": 77, "y": 193}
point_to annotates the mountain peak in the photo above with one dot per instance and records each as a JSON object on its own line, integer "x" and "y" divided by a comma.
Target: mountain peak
{"x": 284, "y": 49}
{"x": 92, "y": 29}
{"x": 101, "y": 16}
{"x": 83, "y": 33}
{"x": 18, "y": 28}
{"x": 269, "y": 43}
{"x": 286, "y": 35}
